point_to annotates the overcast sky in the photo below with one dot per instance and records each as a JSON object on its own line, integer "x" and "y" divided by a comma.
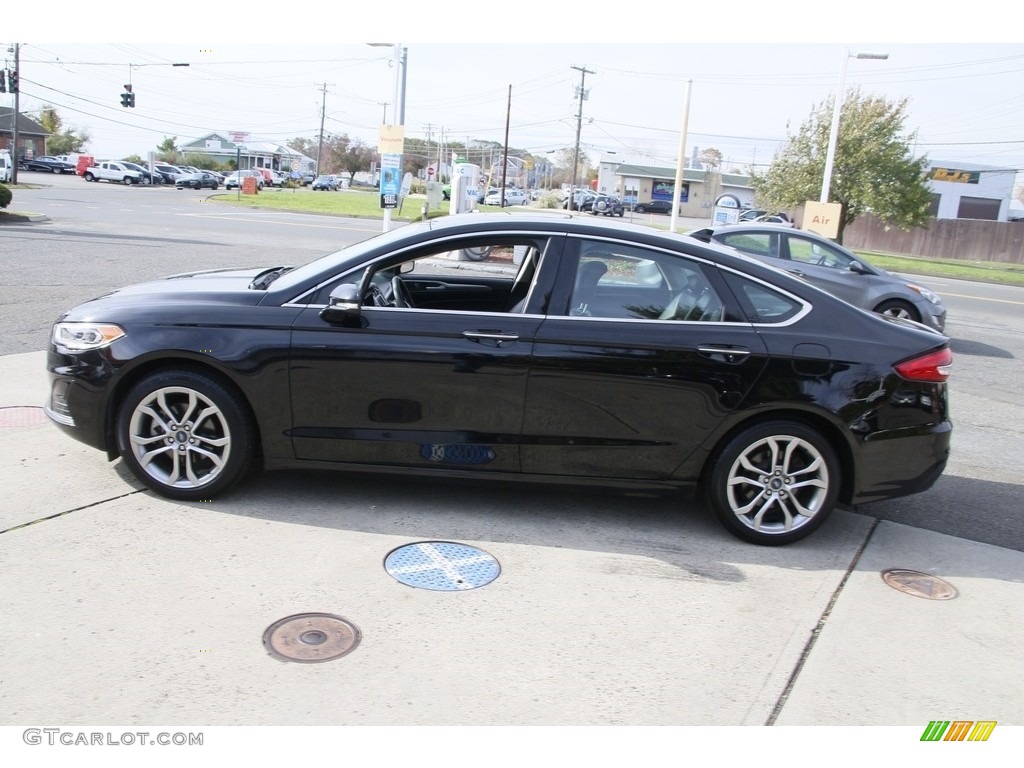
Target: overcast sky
{"x": 966, "y": 99}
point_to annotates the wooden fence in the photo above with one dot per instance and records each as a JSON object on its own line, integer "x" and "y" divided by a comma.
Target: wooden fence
{"x": 963, "y": 239}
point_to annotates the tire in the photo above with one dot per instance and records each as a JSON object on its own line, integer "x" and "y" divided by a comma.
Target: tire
{"x": 897, "y": 308}
{"x": 58, "y": 171}
{"x": 89, "y": 177}
{"x": 127, "y": 181}
{"x": 639, "y": 209}
{"x": 213, "y": 186}
{"x": 755, "y": 473}
{"x": 211, "y": 446}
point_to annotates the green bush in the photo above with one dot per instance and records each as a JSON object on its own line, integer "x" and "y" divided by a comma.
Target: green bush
{"x": 550, "y": 200}
{"x": 5, "y": 196}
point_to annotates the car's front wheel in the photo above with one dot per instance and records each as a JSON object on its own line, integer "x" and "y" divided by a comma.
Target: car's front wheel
{"x": 58, "y": 171}
{"x": 127, "y": 180}
{"x": 897, "y": 308}
{"x": 185, "y": 434}
{"x": 773, "y": 483}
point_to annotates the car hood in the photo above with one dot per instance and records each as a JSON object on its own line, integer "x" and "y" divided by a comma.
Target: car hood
{"x": 215, "y": 286}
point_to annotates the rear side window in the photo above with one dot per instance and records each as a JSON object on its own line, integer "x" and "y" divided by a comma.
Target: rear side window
{"x": 765, "y": 304}
{"x": 755, "y": 243}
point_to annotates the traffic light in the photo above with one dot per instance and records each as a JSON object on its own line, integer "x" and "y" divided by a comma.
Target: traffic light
{"x": 3, "y": 81}
{"x": 12, "y": 81}
{"x": 127, "y": 98}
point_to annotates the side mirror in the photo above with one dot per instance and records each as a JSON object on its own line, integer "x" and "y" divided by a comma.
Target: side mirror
{"x": 856, "y": 266}
{"x": 343, "y": 306}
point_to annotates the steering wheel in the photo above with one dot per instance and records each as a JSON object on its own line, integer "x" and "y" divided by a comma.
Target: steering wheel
{"x": 399, "y": 293}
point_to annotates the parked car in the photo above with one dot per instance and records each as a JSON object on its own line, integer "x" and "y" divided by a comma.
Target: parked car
{"x": 580, "y": 198}
{"x": 47, "y": 164}
{"x": 512, "y": 196}
{"x": 231, "y": 181}
{"x": 774, "y": 218}
{"x": 654, "y": 206}
{"x": 325, "y": 182}
{"x": 6, "y": 168}
{"x": 277, "y": 179}
{"x": 607, "y": 205}
{"x": 147, "y": 178}
{"x": 619, "y": 354}
{"x": 170, "y": 173}
{"x": 831, "y": 267}
{"x": 198, "y": 181}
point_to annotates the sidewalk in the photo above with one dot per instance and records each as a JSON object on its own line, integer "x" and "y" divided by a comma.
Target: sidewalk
{"x": 124, "y": 608}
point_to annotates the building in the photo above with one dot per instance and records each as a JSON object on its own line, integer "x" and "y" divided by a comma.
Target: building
{"x": 229, "y": 147}
{"x": 31, "y": 135}
{"x": 700, "y": 188}
{"x": 968, "y": 191}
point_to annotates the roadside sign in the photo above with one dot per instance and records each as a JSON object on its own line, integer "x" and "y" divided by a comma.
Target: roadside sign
{"x": 390, "y": 180}
{"x": 296, "y": 165}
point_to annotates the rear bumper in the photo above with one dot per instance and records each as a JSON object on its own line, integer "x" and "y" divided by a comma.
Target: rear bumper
{"x": 901, "y": 462}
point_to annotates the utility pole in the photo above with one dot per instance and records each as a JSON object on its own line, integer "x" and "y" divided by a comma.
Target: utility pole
{"x": 323, "y": 112}
{"x": 579, "y": 126}
{"x": 504, "y": 155}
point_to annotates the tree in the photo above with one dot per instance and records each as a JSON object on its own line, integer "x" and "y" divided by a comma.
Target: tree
{"x": 873, "y": 170}
{"x": 61, "y": 140}
{"x": 710, "y": 158}
{"x": 167, "y": 150}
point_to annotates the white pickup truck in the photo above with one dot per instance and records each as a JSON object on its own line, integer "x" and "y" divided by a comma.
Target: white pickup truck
{"x": 111, "y": 171}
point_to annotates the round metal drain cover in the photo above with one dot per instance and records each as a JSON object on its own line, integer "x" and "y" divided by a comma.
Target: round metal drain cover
{"x": 311, "y": 637}
{"x": 919, "y": 584}
{"x": 442, "y": 565}
{"x": 22, "y": 416}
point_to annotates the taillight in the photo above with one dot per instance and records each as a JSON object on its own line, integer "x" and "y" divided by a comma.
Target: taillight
{"x": 933, "y": 366}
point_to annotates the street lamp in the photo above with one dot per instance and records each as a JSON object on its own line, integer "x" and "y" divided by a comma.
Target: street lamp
{"x": 837, "y": 106}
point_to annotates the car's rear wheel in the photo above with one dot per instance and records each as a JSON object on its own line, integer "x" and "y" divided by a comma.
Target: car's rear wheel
{"x": 773, "y": 483}
{"x": 185, "y": 435}
{"x": 57, "y": 171}
{"x": 89, "y": 177}
{"x": 897, "y": 308}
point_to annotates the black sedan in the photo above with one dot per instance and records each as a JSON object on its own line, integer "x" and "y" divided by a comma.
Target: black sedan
{"x": 47, "y": 165}
{"x": 198, "y": 181}
{"x": 654, "y": 206}
{"x": 580, "y": 350}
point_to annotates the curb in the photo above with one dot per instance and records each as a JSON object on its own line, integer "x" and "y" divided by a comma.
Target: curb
{"x": 22, "y": 218}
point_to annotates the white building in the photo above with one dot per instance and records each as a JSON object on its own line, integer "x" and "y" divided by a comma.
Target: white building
{"x": 969, "y": 191}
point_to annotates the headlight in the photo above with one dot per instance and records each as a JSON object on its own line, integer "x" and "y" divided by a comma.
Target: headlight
{"x": 83, "y": 336}
{"x": 925, "y": 293}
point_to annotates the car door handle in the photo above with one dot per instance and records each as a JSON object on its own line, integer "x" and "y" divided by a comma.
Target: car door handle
{"x": 724, "y": 354}
{"x": 796, "y": 272}
{"x": 491, "y": 335}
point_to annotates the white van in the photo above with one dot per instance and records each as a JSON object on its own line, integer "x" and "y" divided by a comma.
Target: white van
{"x": 6, "y": 171}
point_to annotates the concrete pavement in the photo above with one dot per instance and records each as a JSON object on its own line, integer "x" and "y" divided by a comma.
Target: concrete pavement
{"x": 610, "y": 609}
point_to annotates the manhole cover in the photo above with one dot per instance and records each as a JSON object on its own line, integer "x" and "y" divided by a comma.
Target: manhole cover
{"x": 919, "y": 584}
{"x": 311, "y": 637}
{"x": 442, "y": 565}
{"x": 22, "y": 416}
